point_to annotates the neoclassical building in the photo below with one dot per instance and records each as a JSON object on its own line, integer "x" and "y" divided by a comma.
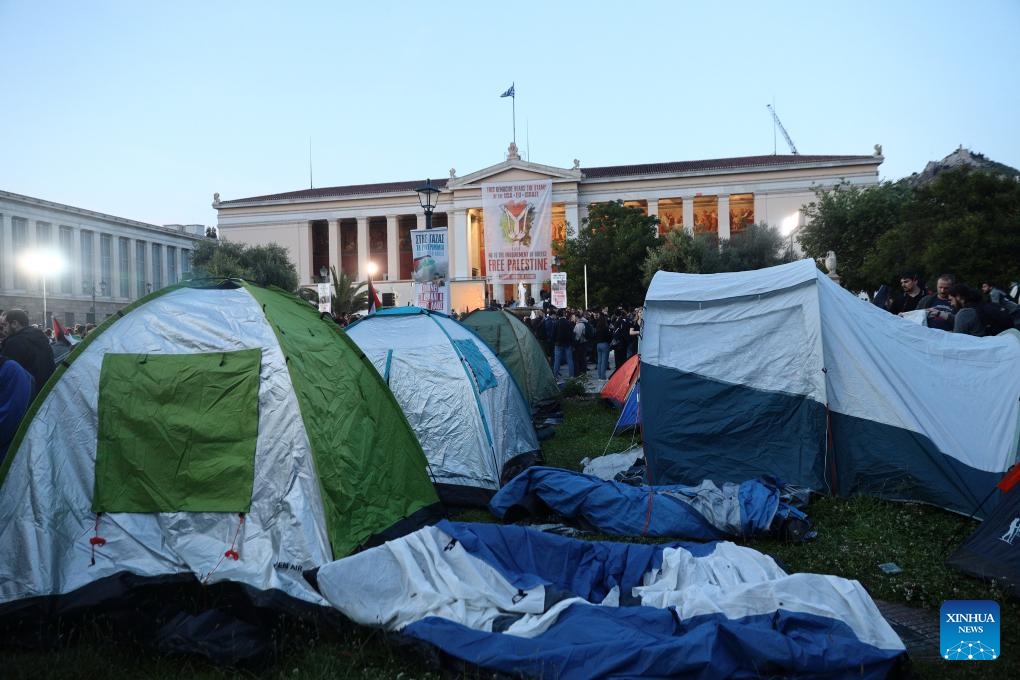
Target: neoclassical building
{"x": 107, "y": 261}
{"x": 350, "y": 226}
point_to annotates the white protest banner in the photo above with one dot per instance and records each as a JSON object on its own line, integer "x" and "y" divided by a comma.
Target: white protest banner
{"x": 559, "y": 290}
{"x": 325, "y": 292}
{"x": 431, "y": 272}
{"x": 518, "y": 230}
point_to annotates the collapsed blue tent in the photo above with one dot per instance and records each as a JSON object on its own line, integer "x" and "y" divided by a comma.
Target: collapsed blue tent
{"x": 521, "y": 602}
{"x": 699, "y": 513}
{"x": 781, "y": 372}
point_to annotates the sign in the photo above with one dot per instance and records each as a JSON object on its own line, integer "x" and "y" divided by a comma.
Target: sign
{"x": 969, "y": 630}
{"x": 518, "y": 230}
{"x": 325, "y": 292}
{"x": 559, "y": 290}
{"x": 431, "y": 273}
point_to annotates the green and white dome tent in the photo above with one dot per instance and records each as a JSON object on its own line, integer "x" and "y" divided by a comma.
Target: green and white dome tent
{"x": 213, "y": 431}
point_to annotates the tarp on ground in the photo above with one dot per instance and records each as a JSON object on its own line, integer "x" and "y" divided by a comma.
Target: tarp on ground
{"x": 461, "y": 401}
{"x": 780, "y": 372}
{"x": 519, "y": 350}
{"x": 220, "y": 432}
{"x": 524, "y": 603}
{"x": 705, "y": 512}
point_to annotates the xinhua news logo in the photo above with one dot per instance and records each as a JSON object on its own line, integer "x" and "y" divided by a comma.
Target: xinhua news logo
{"x": 969, "y": 630}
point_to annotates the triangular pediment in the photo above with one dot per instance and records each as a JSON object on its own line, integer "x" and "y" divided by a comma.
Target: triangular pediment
{"x": 514, "y": 169}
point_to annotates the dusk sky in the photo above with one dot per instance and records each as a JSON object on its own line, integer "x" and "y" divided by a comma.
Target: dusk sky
{"x": 142, "y": 110}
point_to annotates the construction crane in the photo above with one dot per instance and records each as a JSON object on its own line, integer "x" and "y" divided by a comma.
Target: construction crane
{"x": 779, "y": 124}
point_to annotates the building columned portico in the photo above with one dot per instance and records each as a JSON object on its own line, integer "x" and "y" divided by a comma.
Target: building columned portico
{"x": 349, "y": 226}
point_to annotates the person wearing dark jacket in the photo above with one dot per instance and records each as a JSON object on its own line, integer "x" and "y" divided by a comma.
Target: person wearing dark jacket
{"x": 28, "y": 346}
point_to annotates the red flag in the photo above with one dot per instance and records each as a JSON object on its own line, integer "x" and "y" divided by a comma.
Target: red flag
{"x": 62, "y": 335}
{"x": 1010, "y": 480}
{"x": 373, "y": 299}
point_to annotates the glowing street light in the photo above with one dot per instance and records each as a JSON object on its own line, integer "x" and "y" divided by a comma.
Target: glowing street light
{"x": 42, "y": 262}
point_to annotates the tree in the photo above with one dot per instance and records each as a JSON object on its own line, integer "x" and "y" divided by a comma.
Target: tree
{"x": 347, "y": 294}
{"x": 849, "y": 220}
{"x": 265, "y": 265}
{"x": 613, "y": 242}
{"x": 758, "y": 246}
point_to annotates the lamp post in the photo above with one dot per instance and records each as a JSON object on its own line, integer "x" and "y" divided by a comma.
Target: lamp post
{"x": 42, "y": 262}
{"x": 324, "y": 273}
{"x": 427, "y": 197}
{"x": 90, "y": 287}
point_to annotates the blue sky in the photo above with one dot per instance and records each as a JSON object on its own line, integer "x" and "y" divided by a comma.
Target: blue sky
{"x": 143, "y": 110}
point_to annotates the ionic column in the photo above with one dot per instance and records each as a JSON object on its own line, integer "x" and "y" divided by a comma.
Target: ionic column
{"x": 392, "y": 254}
{"x": 688, "y": 213}
{"x": 723, "y": 205}
{"x": 6, "y": 253}
{"x": 653, "y": 207}
{"x": 362, "y": 248}
{"x": 574, "y": 217}
{"x": 459, "y": 255}
{"x": 115, "y": 267}
{"x": 334, "y": 244}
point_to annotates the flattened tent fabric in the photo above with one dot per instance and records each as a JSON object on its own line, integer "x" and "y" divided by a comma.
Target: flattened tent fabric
{"x": 529, "y": 604}
{"x": 993, "y": 551}
{"x": 750, "y": 374}
{"x": 706, "y": 512}
{"x": 459, "y": 398}
{"x": 519, "y": 350}
{"x": 223, "y": 434}
{"x": 619, "y": 385}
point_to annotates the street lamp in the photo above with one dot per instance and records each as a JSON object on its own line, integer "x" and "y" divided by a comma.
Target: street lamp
{"x": 90, "y": 287}
{"x": 324, "y": 273}
{"x": 42, "y": 262}
{"x": 427, "y": 197}
{"x": 371, "y": 268}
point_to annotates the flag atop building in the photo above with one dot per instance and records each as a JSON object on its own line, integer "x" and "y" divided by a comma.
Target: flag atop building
{"x": 509, "y": 92}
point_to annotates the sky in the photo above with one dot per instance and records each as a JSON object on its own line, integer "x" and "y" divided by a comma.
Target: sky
{"x": 143, "y": 110}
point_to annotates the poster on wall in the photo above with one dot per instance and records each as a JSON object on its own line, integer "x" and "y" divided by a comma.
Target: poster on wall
{"x": 559, "y": 290}
{"x": 518, "y": 230}
{"x": 431, "y": 273}
{"x": 325, "y": 292}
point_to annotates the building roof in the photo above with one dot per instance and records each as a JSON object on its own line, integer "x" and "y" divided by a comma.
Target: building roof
{"x": 604, "y": 172}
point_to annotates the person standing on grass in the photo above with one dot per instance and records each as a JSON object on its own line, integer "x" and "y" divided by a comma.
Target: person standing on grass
{"x": 602, "y": 340}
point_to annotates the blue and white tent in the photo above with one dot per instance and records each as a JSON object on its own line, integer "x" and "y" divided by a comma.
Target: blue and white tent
{"x": 461, "y": 401}
{"x": 530, "y": 604}
{"x": 780, "y": 372}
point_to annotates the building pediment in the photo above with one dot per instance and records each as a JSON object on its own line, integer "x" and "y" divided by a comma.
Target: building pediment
{"x": 514, "y": 168}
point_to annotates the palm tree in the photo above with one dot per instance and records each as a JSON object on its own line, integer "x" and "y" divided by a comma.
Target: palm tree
{"x": 348, "y": 296}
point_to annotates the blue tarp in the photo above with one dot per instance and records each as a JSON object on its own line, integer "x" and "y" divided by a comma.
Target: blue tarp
{"x": 701, "y": 513}
{"x": 529, "y": 604}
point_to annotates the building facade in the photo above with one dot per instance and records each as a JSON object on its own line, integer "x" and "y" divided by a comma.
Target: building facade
{"x": 348, "y": 227}
{"x": 105, "y": 262}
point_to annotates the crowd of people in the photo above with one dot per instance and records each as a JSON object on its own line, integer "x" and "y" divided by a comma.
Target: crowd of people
{"x": 956, "y": 307}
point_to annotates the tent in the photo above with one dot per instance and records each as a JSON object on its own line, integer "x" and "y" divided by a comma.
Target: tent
{"x": 618, "y": 387}
{"x": 217, "y": 434}
{"x": 519, "y": 350}
{"x": 780, "y": 372}
{"x": 468, "y": 412}
{"x": 630, "y": 414}
{"x": 528, "y": 604}
{"x": 993, "y": 551}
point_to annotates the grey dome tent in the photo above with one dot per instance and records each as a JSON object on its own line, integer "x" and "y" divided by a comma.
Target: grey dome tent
{"x": 218, "y": 434}
{"x": 470, "y": 416}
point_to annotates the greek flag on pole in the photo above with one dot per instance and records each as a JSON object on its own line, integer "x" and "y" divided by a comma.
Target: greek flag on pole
{"x": 509, "y": 92}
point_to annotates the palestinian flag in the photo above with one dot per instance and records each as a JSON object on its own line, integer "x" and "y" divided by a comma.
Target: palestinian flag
{"x": 373, "y": 299}
{"x": 60, "y": 334}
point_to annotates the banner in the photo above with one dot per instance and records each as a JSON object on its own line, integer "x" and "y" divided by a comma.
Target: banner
{"x": 431, "y": 274}
{"x": 325, "y": 291}
{"x": 559, "y": 290}
{"x": 518, "y": 230}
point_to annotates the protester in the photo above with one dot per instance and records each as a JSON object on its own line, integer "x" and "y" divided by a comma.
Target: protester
{"x": 909, "y": 300}
{"x": 28, "y": 346}
{"x": 966, "y": 302}
{"x": 563, "y": 339}
{"x": 940, "y": 309}
{"x": 602, "y": 340}
{"x": 16, "y": 389}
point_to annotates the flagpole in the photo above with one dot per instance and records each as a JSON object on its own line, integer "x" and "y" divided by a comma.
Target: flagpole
{"x": 514, "y": 107}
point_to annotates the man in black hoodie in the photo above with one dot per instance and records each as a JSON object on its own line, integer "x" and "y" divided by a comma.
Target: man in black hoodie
{"x": 27, "y": 345}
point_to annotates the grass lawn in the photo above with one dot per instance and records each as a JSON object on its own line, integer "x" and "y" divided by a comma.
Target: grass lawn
{"x": 855, "y": 535}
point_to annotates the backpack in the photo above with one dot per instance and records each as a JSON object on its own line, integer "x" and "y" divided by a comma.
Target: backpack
{"x": 589, "y": 331}
{"x": 996, "y": 318}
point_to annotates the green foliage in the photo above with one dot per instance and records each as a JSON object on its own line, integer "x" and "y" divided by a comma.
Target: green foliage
{"x": 613, "y": 242}
{"x": 347, "y": 294}
{"x": 758, "y": 246}
{"x": 849, "y": 220}
{"x": 265, "y": 265}
{"x": 965, "y": 222}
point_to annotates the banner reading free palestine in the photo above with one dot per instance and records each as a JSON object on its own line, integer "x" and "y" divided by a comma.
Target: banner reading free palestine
{"x": 518, "y": 230}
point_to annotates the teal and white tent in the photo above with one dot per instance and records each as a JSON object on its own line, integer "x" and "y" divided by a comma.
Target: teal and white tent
{"x": 470, "y": 416}
{"x": 781, "y": 372}
{"x": 211, "y": 434}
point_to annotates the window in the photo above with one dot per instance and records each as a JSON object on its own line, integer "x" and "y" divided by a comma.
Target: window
{"x": 741, "y": 212}
{"x": 706, "y": 215}
{"x": 141, "y": 285}
{"x": 19, "y": 243}
{"x": 106, "y": 262}
{"x": 88, "y": 270}
{"x": 171, "y": 265}
{"x": 66, "y": 246}
{"x": 185, "y": 263}
{"x": 43, "y": 234}
{"x": 124, "y": 260}
{"x": 157, "y": 266}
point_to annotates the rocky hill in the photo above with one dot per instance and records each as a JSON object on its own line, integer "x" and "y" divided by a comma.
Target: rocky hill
{"x": 959, "y": 158}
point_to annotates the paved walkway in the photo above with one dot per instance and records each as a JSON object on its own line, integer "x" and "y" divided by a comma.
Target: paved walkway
{"x": 918, "y": 628}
